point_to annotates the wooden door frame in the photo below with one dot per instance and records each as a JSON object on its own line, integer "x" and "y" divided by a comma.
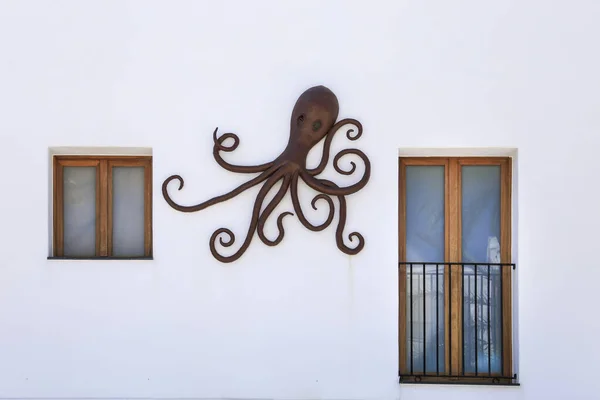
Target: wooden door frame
{"x": 452, "y": 253}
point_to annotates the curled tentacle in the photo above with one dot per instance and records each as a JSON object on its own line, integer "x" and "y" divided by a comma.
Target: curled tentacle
{"x": 220, "y": 146}
{"x": 280, "y": 229}
{"x": 339, "y": 232}
{"x": 329, "y": 139}
{"x": 298, "y": 207}
{"x": 267, "y": 212}
{"x": 224, "y": 243}
{"x": 264, "y": 190}
{"x": 341, "y": 154}
{"x": 345, "y": 152}
{"x": 335, "y": 190}
{"x": 214, "y": 200}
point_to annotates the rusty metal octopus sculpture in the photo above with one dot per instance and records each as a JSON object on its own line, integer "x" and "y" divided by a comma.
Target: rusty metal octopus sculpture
{"x": 313, "y": 118}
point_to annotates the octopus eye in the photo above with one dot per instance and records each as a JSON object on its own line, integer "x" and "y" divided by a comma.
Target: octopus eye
{"x": 300, "y": 119}
{"x": 316, "y": 125}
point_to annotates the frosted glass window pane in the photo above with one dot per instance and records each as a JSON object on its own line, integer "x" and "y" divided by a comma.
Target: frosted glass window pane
{"x": 128, "y": 211}
{"x": 425, "y": 213}
{"x": 480, "y": 213}
{"x": 425, "y": 290}
{"x": 79, "y": 211}
{"x": 481, "y": 243}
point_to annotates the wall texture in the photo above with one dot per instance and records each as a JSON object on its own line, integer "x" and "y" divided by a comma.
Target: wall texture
{"x": 284, "y": 322}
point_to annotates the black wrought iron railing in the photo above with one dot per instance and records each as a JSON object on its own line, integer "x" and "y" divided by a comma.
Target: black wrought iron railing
{"x": 455, "y": 322}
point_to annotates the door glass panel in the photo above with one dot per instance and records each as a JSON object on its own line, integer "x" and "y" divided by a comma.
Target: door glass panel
{"x": 128, "y": 211}
{"x": 425, "y": 288}
{"x": 480, "y": 227}
{"x": 79, "y": 210}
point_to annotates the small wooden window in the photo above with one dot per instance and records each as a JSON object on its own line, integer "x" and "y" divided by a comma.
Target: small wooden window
{"x": 455, "y": 270}
{"x": 102, "y": 207}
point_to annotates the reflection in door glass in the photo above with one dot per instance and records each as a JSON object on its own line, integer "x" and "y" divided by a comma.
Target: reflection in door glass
{"x": 480, "y": 228}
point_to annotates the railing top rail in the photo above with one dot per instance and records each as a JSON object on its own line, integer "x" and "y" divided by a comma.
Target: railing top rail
{"x": 513, "y": 265}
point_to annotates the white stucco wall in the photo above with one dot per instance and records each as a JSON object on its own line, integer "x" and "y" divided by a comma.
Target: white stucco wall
{"x": 285, "y": 322}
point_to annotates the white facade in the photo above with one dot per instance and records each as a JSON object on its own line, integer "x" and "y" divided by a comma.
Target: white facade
{"x": 517, "y": 78}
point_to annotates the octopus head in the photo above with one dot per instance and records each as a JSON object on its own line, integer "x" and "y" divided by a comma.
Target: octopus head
{"x": 314, "y": 114}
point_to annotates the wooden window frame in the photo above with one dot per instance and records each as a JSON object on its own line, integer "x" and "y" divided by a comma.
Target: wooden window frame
{"x": 104, "y": 231}
{"x": 453, "y": 253}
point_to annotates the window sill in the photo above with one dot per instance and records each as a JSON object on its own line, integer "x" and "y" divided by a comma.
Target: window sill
{"x": 102, "y": 258}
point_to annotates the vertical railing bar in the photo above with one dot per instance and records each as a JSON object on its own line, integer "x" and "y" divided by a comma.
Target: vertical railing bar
{"x": 449, "y": 316}
{"x": 424, "y": 323}
{"x": 437, "y": 320}
{"x": 495, "y": 308}
{"x": 501, "y": 321}
{"x": 462, "y": 323}
{"x": 468, "y": 324}
{"x": 411, "y": 319}
{"x": 476, "y": 332}
{"x": 431, "y": 286}
{"x": 489, "y": 317}
{"x": 468, "y": 350}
